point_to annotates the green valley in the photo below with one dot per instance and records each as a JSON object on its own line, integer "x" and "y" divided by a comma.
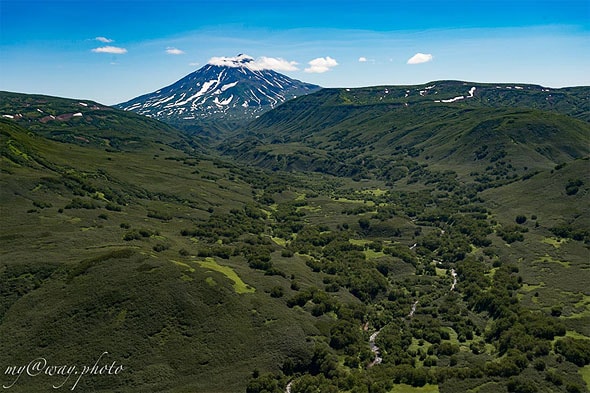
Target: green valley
{"x": 447, "y": 237}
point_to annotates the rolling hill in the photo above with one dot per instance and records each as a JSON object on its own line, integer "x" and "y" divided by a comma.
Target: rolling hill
{"x": 346, "y": 242}
{"x": 93, "y": 258}
{"x": 86, "y": 123}
{"x": 335, "y": 130}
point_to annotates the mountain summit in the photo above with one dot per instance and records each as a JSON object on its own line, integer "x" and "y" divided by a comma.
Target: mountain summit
{"x": 234, "y": 89}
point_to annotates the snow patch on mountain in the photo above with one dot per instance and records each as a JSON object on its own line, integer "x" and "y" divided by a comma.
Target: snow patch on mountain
{"x": 470, "y": 94}
{"x": 228, "y": 86}
{"x": 224, "y": 102}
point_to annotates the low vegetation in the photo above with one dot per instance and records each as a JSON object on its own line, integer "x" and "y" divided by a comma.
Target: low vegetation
{"x": 202, "y": 273}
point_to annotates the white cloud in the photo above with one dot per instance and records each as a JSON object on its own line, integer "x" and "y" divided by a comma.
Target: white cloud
{"x": 104, "y": 39}
{"x": 362, "y": 59}
{"x": 262, "y": 63}
{"x": 237, "y": 61}
{"x": 110, "y": 49}
{"x": 321, "y": 64}
{"x": 420, "y": 58}
{"x": 174, "y": 51}
{"x": 275, "y": 63}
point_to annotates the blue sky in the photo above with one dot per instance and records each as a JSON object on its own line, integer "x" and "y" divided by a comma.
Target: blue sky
{"x": 113, "y": 50}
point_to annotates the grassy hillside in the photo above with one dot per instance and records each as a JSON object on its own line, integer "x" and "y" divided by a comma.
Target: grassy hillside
{"x": 93, "y": 260}
{"x": 347, "y": 131}
{"x": 87, "y": 123}
{"x": 204, "y": 273}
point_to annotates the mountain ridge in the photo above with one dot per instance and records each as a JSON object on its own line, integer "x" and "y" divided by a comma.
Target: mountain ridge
{"x": 86, "y": 122}
{"x": 333, "y": 130}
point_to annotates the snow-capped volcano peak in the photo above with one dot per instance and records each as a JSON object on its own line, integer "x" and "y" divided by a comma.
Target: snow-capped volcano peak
{"x": 240, "y": 60}
{"x": 236, "y": 88}
{"x": 260, "y": 64}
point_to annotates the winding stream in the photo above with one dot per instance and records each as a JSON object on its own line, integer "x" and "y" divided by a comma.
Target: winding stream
{"x": 375, "y": 349}
{"x": 454, "y": 275}
{"x": 413, "y": 310}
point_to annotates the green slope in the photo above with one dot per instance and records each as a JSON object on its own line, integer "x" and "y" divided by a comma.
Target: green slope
{"x": 86, "y": 123}
{"x": 340, "y": 131}
{"x": 93, "y": 260}
{"x": 203, "y": 273}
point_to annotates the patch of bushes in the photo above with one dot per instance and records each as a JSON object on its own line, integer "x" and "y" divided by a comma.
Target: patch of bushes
{"x": 512, "y": 233}
{"x": 573, "y": 186}
{"x": 42, "y": 205}
{"x": 574, "y": 350}
{"x": 79, "y": 203}
{"x": 112, "y": 207}
{"x": 277, "y": 291}
{"x": 567, "y": 232}
{"x": 137, "y": 234}
{"x": 160, "y": 247}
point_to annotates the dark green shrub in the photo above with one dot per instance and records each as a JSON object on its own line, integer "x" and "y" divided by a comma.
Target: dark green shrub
{"x": 273, "y": 271}
{"x": 286, "y": 253}
{"x": 41, "y": 204}
{"x": 160, "y": 247}
{"x": 132, "y": 235}
{"x": 276, "y": 291}
{"x": 574, "y": 350}
{"x": 571, "y": 388}
{"x": 539, "y": 365}
{"x": 430, "y": 361}
{"x": 364, "y": 224}
{"x": 521, "y": 385}
{"x": 112, "y": 207}
{"x": 573, "y": 185}
{"x": 553, "y": 377}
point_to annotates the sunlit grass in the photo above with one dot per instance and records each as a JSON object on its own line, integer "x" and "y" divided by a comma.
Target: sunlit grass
{"x": 279, "y": 241}
{"x": 585, "y": 373}
{"x": 548, "y": 258}
{"x": 376, "y": 192}
{"x": 554, "y": 241}
{"x": 402, "y": 388}
{"x": 572, "y": 334}
{"x": 184, "y": 265}
{"x": 239, "y": 285}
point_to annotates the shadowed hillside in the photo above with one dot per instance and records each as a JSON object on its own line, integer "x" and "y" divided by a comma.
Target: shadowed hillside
{"x": 347, "y": 242}
{"x": 348, "y": 131}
